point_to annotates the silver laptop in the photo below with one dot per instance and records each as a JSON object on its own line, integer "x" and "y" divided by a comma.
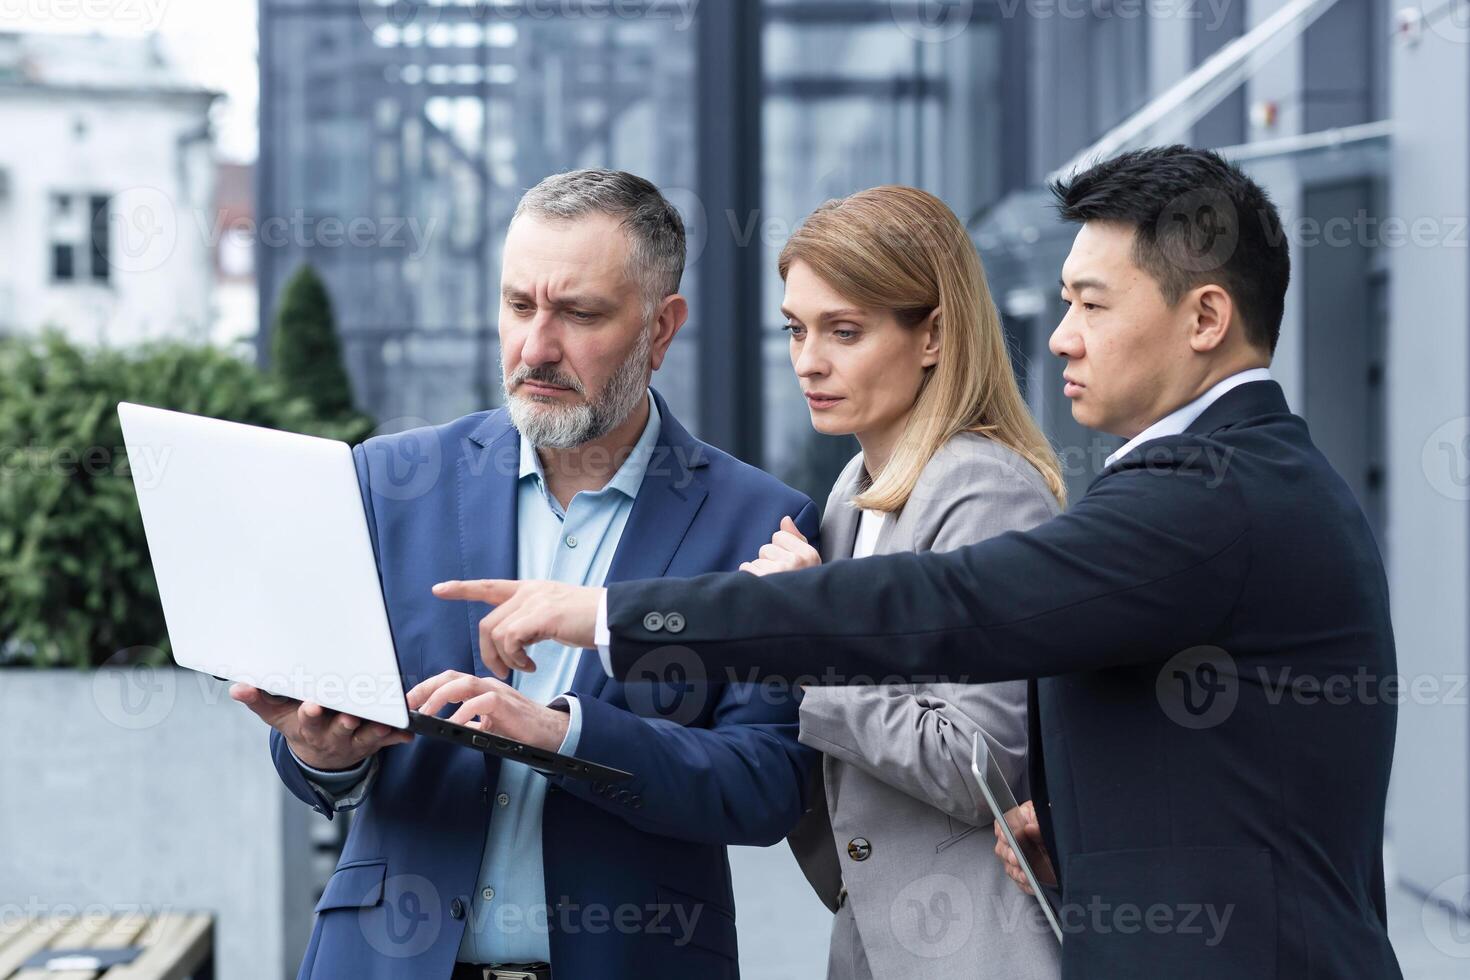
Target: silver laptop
{"x": 260, "y": 545}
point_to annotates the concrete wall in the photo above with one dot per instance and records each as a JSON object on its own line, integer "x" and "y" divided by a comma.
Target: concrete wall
{"x": 135, "y": 788}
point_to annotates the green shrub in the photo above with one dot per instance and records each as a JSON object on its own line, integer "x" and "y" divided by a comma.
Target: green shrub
{"x": 76, "y": 585}
{"x": 305, "y": 352}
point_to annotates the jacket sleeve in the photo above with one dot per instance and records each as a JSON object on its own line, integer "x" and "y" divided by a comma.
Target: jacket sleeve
{"x": 1147, "y": 564}
{"x": 740, "y": 780}
{"x": 919, "y": 739}
{"x": 324, "y": 795}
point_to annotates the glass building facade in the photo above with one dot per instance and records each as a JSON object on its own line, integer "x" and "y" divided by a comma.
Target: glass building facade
{"x": 396, "y": 140}
{"x": 397, "y": 137}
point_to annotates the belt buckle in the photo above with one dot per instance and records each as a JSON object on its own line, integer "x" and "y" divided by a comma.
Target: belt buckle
{"x": 515, "y": 971}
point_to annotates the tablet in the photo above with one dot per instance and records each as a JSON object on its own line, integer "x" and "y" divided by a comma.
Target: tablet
{"x": 1001, "y": 801}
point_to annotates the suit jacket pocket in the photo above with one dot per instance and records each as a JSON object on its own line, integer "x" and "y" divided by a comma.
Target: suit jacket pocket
{"x": 354, "y": 886}
{"x": 1198, "y": 912}
{"x": 696, "y": 921}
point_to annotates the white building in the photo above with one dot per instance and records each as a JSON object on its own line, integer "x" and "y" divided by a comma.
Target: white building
{"x": 106, "y": 187}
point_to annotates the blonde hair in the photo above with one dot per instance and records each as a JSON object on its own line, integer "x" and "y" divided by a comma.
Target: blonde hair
{"x": 903, "y": 250}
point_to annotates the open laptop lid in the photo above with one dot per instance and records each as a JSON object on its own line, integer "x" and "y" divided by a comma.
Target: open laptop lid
{"x": 242, "y": 519}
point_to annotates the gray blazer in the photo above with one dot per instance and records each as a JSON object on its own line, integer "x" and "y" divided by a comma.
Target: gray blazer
{"x": 896, "y": 816}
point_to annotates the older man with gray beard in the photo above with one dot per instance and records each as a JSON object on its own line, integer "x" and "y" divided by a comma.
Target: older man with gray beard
{"x": 460, "y": 865}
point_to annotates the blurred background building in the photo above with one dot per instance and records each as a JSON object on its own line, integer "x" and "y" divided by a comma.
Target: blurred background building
{"x": 395, "y": 137}
{"x": 105, "y": 138}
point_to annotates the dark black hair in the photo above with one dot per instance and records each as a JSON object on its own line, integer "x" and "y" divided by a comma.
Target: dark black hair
{"x": 1197, "y": 219}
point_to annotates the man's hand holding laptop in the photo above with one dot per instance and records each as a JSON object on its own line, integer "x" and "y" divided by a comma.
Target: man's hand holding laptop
{"x": 319, "y": 737}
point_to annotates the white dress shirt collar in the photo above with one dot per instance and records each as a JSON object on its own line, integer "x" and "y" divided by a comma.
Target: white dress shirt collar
{"x": 1182, "y": 418}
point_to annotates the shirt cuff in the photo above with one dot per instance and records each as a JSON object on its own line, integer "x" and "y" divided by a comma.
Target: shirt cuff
{"x": 603, "y": 635}
{"x": 574, "y": 723}
{"x": 344, "y": 787}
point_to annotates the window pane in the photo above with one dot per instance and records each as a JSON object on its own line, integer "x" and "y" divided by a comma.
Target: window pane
{"x": 61, "y": 263}
{"x": 101, "y": 264}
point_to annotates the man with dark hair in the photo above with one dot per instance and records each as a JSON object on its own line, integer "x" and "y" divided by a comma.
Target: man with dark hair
{"x": 1197, "y": 219}
{"x": 1207, "y": 627}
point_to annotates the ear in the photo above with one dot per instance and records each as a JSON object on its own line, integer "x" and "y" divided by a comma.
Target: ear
{"x": 672, "y": 313}
{"x": 1213, "y": 315}
{"x": 933, "y": 338}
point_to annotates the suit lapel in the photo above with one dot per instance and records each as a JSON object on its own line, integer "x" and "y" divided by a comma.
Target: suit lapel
{"x": 840, "y": 522}
{"x": 668, "y": 499}
{"x": 488, "y": 472}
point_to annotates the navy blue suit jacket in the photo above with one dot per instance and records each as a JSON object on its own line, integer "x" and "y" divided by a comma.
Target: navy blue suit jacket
{"x": 636, "y": 872}
{"x": 1214, "y": 813}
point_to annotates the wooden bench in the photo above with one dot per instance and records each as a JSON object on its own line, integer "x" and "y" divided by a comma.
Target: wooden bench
{"x": 171, "y": 946}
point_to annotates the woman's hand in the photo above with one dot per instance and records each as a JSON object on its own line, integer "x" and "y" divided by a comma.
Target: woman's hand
{"x": 1023, "y": 824}
{"x": 787, "y": 552}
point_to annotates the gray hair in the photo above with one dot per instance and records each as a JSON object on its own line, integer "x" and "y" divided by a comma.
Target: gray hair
{"x": 654, "y": 228}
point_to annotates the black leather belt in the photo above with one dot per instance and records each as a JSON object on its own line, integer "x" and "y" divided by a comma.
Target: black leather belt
{"x": 501, "y": 971}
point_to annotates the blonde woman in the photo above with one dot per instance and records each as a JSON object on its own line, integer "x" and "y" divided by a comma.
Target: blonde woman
{"x": 895, "y": 340}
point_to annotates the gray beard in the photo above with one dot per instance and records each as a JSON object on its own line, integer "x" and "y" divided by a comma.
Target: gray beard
{"x": 553, "y": 426}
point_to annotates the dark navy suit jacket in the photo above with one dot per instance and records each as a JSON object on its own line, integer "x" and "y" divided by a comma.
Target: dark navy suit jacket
{"x": 636, "y": 873}
{"x": 1215, "y": 812}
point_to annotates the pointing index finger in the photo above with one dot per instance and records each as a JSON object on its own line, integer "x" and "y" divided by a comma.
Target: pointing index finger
{"x": 491, "y": 590}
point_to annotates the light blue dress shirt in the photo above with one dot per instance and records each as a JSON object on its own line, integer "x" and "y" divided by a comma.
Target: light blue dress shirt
{"x": 508, "y": 920}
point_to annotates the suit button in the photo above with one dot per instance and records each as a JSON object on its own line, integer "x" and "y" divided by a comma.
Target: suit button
{"x": 637, "y": 802}
{"x": 674, "y": 622}
{"x": 624, "y": 796}
{"x": 653, "y": 622}
{"x": 858, "y": 848}
{"x": 456, "y": 909}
